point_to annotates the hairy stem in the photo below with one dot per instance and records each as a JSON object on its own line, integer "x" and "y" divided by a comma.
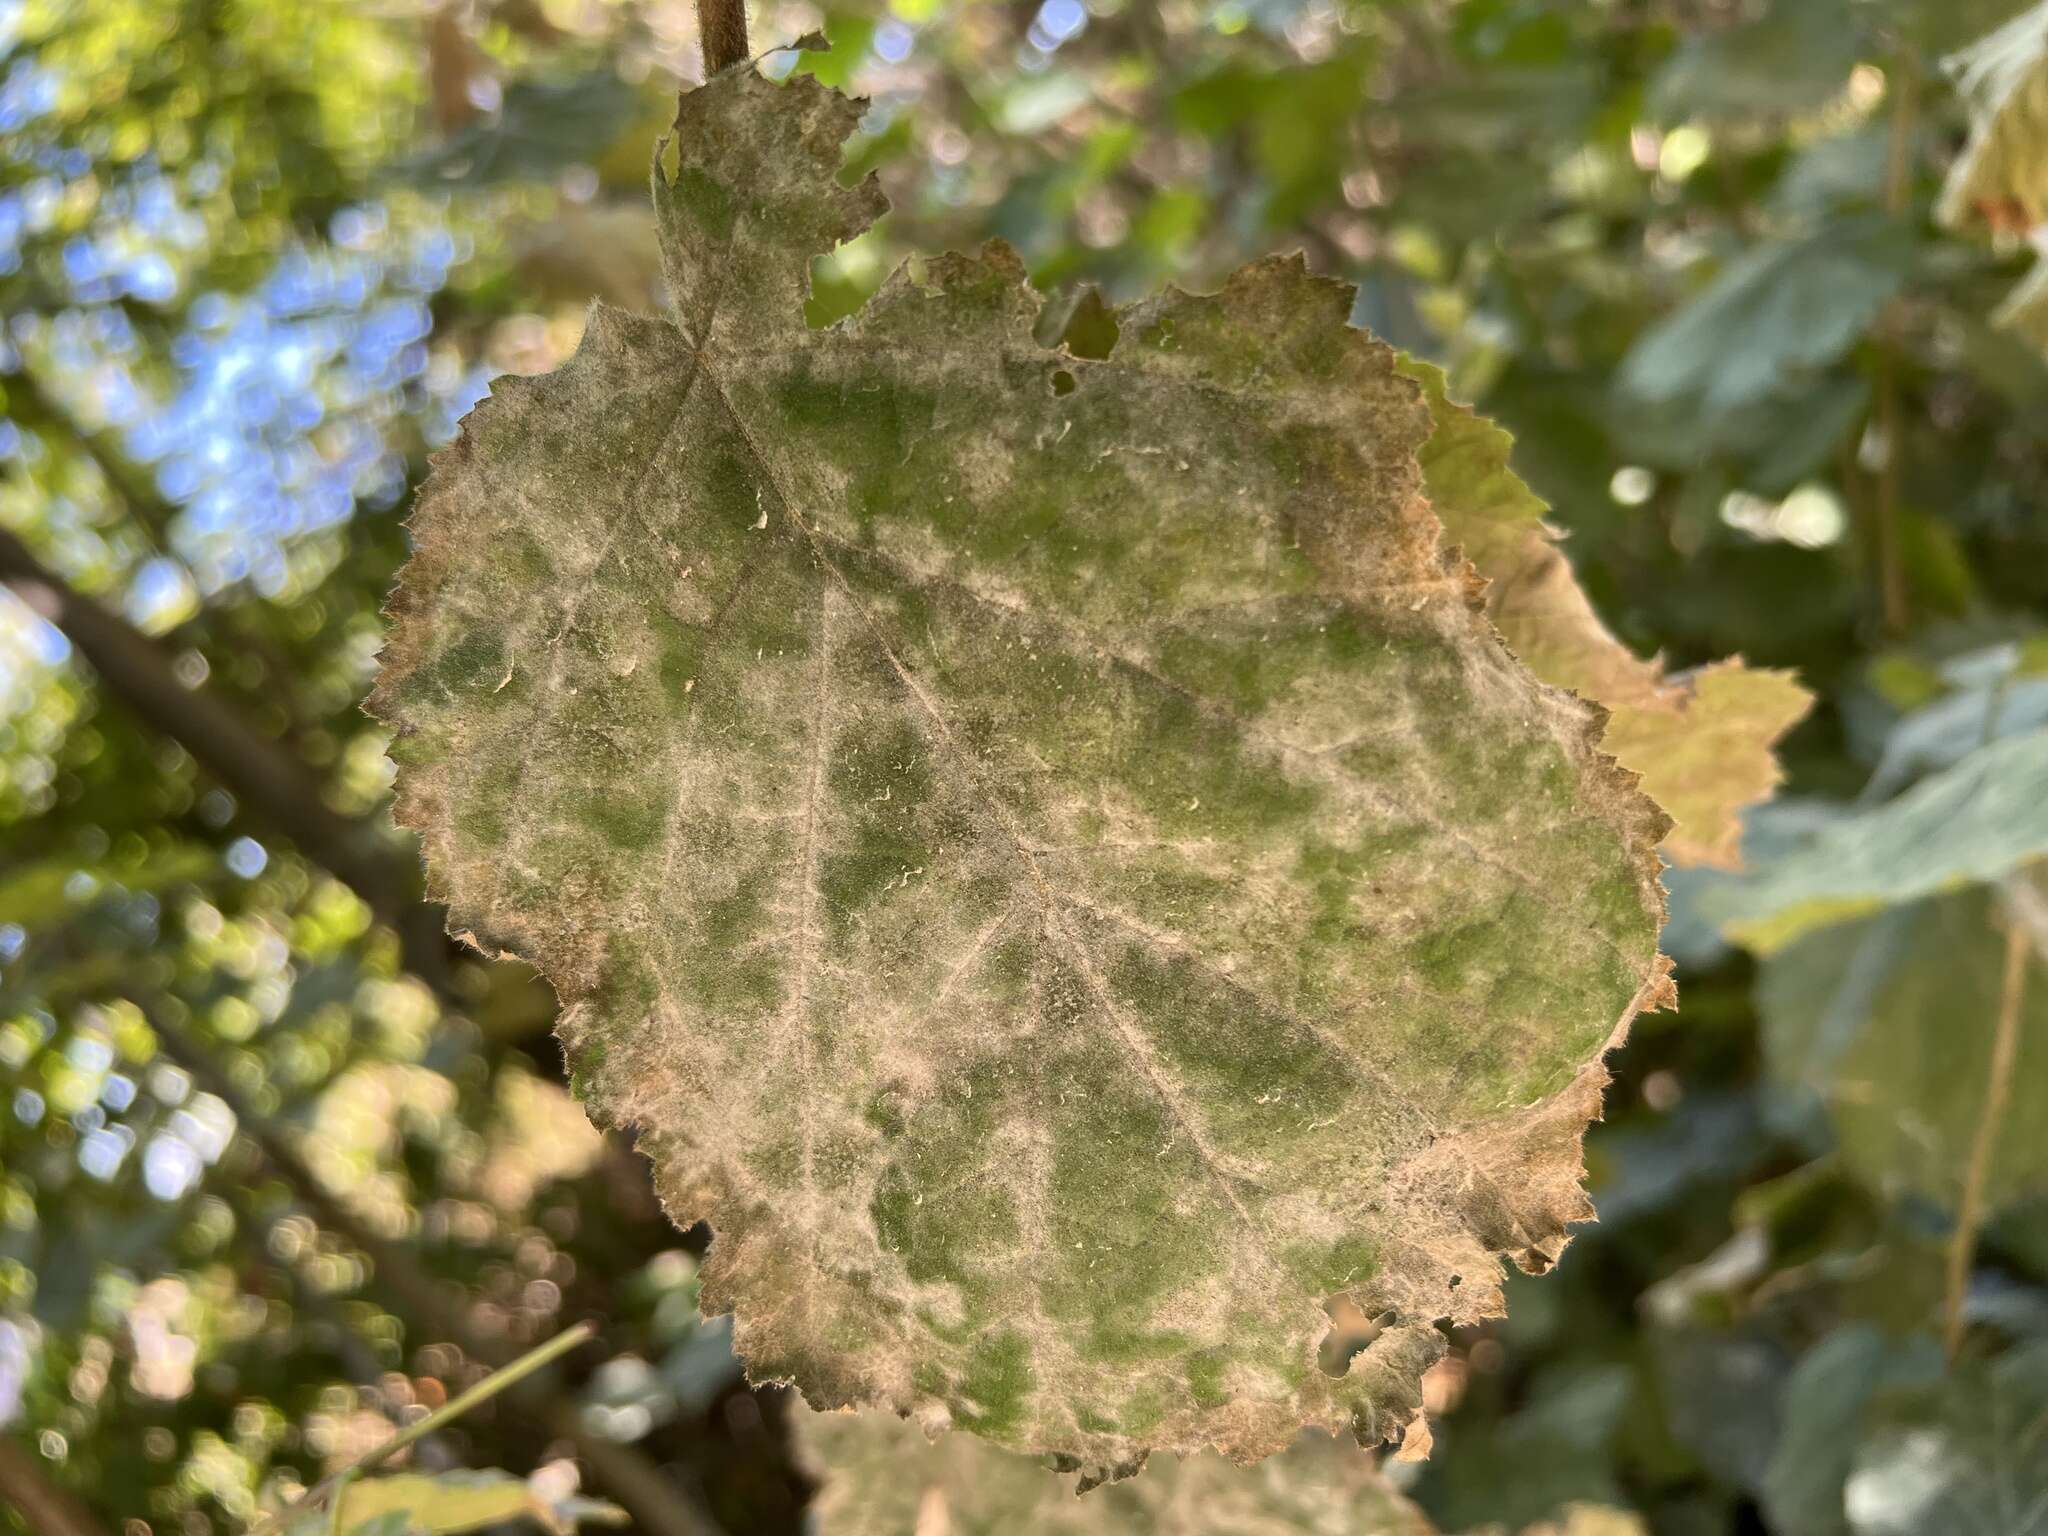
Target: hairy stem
{"x": 1962, "y": 1246}
{"x": 722, "y": 31}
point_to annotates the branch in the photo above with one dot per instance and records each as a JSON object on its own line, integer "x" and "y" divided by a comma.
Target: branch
{"x": 2005, "y": 1044}
{"x": 722, "y": 33}
{"x": 47, "y": 1509}
{"x": 658, "y": 1505}
{"x": 260, "y": 773}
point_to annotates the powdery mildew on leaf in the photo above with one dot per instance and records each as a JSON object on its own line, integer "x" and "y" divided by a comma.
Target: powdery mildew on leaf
{"x": 1046, "y": 851}
{"x": 1702, "y": 743}
{"x": 878, "y": 1476}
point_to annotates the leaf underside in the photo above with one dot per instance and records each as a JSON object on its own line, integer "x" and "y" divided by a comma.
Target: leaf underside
{"x": 1047, "y": 851}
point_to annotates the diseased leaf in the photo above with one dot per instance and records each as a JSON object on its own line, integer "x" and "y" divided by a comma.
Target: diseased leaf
{"x": 1701, "y": 743}
{"x": 1046, "y": 850}
{"x": 880, "y": 1476}
{"x": 1978, "y": 820}
{"x": 1888, "y": 1021}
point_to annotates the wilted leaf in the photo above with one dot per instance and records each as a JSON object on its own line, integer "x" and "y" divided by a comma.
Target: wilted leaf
{"x": 879, "y": 1476}
{"x": 1889, "y": 1021}
{"x": 1045, "y": 849}
{"x": 1776, "y": 311}
{"x": 1978, "y": 820}
{"x": 1702, "y": 743}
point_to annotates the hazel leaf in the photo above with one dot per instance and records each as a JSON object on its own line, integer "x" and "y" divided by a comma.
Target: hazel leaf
{"x": 878, "y": 1476}
{"x": 1047, "y": 851}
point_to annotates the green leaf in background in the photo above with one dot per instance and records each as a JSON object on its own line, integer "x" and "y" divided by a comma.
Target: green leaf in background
{"x": 449, "y": 1504}
{"x": 1792, "y": 58}
{"x": 1775, "y": 312}
{"x": 1703, "y": 744}
{"x": 1825, "y": 1411}
{"x": 540, "y": 128}
{"x": 1978, "y": 820}
{"x": 1888, "y": 1021}
{"x": 1967, "y": 1454}
{"x": 976, "y": 800}
{"x": 1981, "y": 696}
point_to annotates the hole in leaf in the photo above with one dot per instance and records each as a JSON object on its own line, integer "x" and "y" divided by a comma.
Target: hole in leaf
{"x": 1350, "y": 1332}
{"x": 1062, "y": 382}
{"x": 1077, "y": 322}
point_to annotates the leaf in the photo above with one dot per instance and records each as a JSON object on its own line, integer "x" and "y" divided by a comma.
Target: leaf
{"x": 1703, "y": 743}
{"x": 448, "y": 1503}
{"x": 1968, "y": 1454}
{"x": 540, "y": 127}
{"x": 1775, "y": 312}
{"x": 1978, "y": 820}
{"x": 1790, "y": 59}
{"x": 879, "y": 1476}
{"x": 2000, "y": 180}
{"x": 1826, "y": 1408}
{"x": 1888, "y": 1022}
{"x": 1046, "y": 850}
{"x": 1998, "y": 691}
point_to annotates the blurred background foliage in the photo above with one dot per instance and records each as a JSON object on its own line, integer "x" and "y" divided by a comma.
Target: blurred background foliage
{"x": 281, "y": 1168}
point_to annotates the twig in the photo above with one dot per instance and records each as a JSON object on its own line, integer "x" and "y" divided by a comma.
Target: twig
{"x": 722, "y": 33}
{"x": 456, "y": 1406}
{"x": 261, "y": 774}
{"x": 658, "y": 1505}
{"x": 2005, "y": 1042}
{"x": 47, "y": 1509}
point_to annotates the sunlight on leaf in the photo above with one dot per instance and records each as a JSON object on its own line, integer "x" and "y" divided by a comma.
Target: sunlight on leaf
{"x": 1046, "y": 850}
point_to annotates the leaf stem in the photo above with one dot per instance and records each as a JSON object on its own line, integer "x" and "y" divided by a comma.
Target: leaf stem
{"x": 722, "y": 33}
{"x": 1962, "y": 1246}
{"x": 1898, "y": 199}
{"x": 456, "y": 1406}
